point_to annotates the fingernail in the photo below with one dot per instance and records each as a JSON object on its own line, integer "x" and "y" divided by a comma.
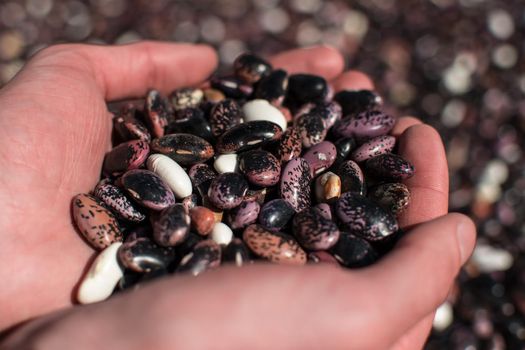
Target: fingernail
{"x": 464, "y": 234}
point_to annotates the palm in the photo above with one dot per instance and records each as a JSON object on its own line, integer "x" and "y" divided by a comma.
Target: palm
{"x": 57, "y": 129}
{"x": 61, "y": 133}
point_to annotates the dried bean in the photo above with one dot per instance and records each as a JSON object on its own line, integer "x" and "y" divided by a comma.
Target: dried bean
{"x": 97, "y": 224}
{"x": 185, "y": 149}
{"x": 274, "y": 246}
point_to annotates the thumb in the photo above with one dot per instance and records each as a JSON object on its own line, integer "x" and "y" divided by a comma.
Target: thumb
{"x": 418, "y": 274}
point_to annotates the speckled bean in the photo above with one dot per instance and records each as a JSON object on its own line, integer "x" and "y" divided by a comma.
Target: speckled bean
{"x": 295, "y": 184}
{"x": 390, "y": 167}
{"x": 364, "y": 218}
{"x": 374, "y": 147}
{"x": 244, "y": 215}
{"x": 147, "y": 189}
{"x": 227, "y": 190}
{"x": 117, "y": 201}
{"x": 260, "y": 167}
{"x": 313, "y": 231}
{"x": 97, "y": 224}
{"x": 274, "y": 246}
{"x": 171, "y": 225}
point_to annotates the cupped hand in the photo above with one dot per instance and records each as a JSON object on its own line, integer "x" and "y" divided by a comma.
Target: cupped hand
{"x": 54, "y": 131}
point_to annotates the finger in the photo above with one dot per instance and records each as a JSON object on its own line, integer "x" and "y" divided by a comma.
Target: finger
{"x": 130, "y": 70}
{"x": 416, "y": 337}
{"x": 404, "y": 123}
{"x": 325, "y": 61}
{"x": 422, "y": 146}
{"x": 352, "y": 80}
{"x": 415, "y": 278}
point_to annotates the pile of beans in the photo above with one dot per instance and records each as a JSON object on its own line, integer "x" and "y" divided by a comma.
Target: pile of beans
{"x": 259, "y": 165}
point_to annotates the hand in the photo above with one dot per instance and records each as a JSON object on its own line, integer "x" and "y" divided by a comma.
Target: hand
{"x": 63, "y": 90}
{"x": 54, "y": 131}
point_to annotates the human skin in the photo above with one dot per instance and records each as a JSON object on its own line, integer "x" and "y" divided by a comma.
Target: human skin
{"x": 54, "y": 131}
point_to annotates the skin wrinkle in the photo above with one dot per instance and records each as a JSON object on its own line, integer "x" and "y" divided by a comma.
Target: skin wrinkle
{"x": 94, "y": 145}
{"x": 95, "y": 121}
{"x": 435, "y": 191}
{"x": 153, "y": 74}
{"x": 35, "y": 142}
{"x": 13, "y": 182}
{"x": 4, "y": 155}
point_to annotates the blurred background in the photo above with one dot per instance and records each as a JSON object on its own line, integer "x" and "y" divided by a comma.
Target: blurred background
{"x": 456, "y": 64}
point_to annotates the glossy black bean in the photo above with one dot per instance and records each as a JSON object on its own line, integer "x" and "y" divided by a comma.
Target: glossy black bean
{"x": 129, "y": 280}
{"x": 143, "y": 255}
{"x": 365, "y": 218}
{"x": 236, "y": 253}
{"x": 304, "y": 88}
{"x": 186, "y": 246}
{"x": 185, "y": 149}
{"x": 191, "y": 121}
{"x": 205, "y": 255}
{"x": 147, "y": 189}
{"x": 353, "y": 102}
{"x": 248, "y": 135}
{"x": 353, "y": 251}
{"x": 251, "y": 68}
{"x": 232, "y": 87}
{"x": 344, "y": 146}
{"x": 273, "y": 87}
{"x": 276, "y": 214}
